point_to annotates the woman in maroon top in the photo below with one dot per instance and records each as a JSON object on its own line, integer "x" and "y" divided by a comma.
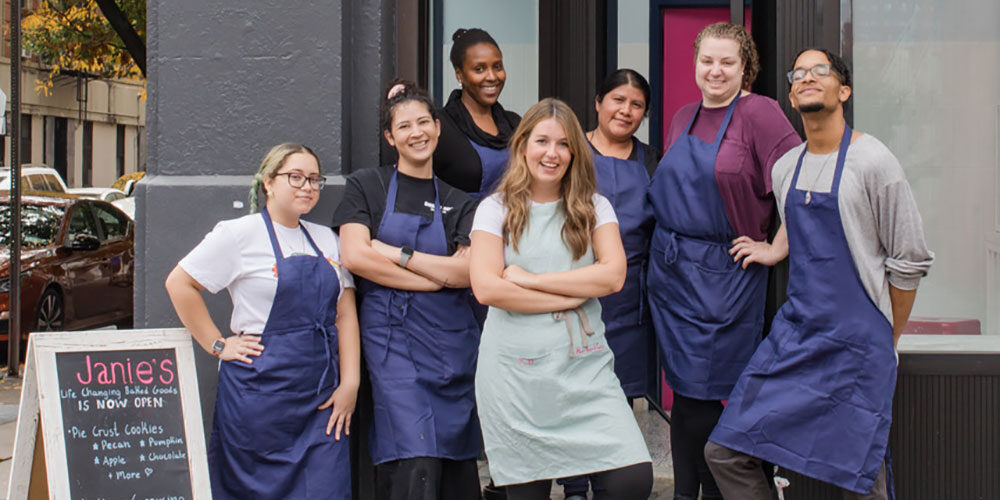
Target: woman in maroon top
{"x": 712, "y": 202}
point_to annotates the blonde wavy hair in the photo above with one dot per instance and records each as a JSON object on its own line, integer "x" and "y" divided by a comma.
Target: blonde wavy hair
{"x": 270, "y": 165}
{"x": 577, "y": 188}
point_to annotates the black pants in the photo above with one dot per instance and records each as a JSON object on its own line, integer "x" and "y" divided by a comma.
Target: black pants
{"x": 634, "y": 482}
{"x": 426, "y": 478}
{"x": 691, "y": 422}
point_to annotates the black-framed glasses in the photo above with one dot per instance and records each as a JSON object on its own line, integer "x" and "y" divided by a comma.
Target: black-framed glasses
{"x": 297, "y": 180}
{"x": 818, "y": 71}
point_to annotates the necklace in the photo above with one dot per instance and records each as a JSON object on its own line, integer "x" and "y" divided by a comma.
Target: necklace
{"x": 809, "y": 191}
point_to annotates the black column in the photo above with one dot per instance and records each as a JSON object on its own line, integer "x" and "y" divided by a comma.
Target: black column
{"x": 572, "y": 54}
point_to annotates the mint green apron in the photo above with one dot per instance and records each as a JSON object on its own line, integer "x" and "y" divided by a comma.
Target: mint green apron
{"x": 549, "y": 402}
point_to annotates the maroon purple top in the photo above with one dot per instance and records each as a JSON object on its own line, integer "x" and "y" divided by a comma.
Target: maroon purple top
{"x": 758, "y": 134}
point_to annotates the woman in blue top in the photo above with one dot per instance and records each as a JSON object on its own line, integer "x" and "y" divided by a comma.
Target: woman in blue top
{"x": 623, "y": 166}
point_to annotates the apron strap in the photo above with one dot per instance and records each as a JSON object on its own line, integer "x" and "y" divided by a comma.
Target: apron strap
{"x": 845, "y": 142}
{"x": 725, "y": 120}
{"x": 321, "y": 328}
{"x": 275, "y": 247}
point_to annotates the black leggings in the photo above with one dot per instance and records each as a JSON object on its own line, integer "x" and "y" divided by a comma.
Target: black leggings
{"x": 634, "y": 482}
{"x": 691, "y": 422}
{"x": 425, "y": 478}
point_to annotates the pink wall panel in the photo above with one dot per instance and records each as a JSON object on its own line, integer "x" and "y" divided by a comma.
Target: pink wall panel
{"x": 680, "y": 27}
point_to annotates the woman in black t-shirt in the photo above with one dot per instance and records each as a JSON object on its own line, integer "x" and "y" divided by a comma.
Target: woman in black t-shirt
{"x": 405, "y": 234}
{"x": 472, "y": 152}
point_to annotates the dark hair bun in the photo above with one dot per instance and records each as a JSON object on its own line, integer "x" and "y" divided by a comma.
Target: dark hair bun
{"x": 402, "y": 91}
{"x": 465, "y": 38}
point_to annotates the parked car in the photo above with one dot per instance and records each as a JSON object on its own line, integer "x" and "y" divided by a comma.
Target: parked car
{"x": 109, "y": 195}
{"x": 127, "y": 182}
{"x": 35, "y": 177}
{"x": 77, "y": 265}
{"x": 116, "y": 197}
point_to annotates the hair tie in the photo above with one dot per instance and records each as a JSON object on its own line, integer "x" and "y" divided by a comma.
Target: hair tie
{"x": 396, "y": 89}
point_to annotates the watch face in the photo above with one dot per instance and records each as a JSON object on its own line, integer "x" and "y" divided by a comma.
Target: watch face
{"x": 219, "y": 345}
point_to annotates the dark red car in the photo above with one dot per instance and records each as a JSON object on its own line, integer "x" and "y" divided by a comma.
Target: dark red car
{"x": 76, "y": 265}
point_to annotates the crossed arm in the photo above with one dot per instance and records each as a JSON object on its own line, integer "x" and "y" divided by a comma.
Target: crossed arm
{"x": 517, "y": 290}
{"x": 377, "y": 261}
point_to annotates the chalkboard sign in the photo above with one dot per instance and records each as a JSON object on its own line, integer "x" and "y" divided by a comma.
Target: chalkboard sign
{"x": 124, "y": 426}
{"x": 120, "y": 417}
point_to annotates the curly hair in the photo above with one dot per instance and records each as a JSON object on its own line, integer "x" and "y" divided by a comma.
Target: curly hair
{"x": 577, "y": 187}
{"x": 748, "y": 49}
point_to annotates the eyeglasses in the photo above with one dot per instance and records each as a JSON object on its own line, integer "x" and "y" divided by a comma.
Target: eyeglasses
{"x": 297, "y": 180}
{"x": 818, "y": 71}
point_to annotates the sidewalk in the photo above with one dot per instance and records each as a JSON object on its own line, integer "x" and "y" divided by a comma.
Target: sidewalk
{"x": 654, "y": 428}
{"x": 10, "y": 397}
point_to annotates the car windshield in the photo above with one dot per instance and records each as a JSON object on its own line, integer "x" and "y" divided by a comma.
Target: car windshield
{"x": 39, "y": 225}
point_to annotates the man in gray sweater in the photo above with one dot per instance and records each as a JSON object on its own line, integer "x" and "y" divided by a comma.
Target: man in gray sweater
{"x": 816, "y": 397}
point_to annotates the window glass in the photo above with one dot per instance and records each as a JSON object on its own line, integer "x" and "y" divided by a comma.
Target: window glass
{"x": 53, "y": 184}
{"x": 926, "y": 82}
{"x": 113, "y": 225}
{"x": 39, "y": 225}
{"x": 113, "y": 196}
{"x": 514, "y": 25}
{"x": 80, "y": 222}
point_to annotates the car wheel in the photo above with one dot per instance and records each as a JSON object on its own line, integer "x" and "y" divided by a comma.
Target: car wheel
{"x": 50, "y": 311}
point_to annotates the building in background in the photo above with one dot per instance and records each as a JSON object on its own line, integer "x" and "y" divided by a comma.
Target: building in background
{"x": 91, "y": 130}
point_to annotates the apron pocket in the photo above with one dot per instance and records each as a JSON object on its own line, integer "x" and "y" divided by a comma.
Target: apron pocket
{"x": 536, "y": 396}
{"x": 273, "y": 421}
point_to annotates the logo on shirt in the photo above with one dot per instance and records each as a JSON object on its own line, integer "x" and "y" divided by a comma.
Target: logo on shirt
{"x": 336, "y": 267}
{"x": 444, "y": 209}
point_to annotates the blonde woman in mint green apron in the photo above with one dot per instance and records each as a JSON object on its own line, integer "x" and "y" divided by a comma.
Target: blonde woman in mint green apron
{"x": 545, "y": 246}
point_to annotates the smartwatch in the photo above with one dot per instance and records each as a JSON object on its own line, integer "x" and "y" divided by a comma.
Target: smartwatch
{"x": 218, "y": 346}
{"x": 405, "y": 254}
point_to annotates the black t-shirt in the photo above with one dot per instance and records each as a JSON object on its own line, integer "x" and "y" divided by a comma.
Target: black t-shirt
{"x": 365, "y": 196}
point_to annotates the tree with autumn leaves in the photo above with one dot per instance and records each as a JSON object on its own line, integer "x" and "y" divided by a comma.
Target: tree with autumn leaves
{"x": 98, "y": 38}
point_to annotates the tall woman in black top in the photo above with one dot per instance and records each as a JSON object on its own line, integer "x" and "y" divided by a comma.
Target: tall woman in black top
{"x": 472, "y": 152}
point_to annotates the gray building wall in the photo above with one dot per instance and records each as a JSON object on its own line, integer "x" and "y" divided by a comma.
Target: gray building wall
{"x": 226, "y": 81}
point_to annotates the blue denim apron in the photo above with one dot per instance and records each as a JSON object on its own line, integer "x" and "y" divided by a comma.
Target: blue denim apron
{"x": 268, "y": 439}
{"x": 420, "y": 348}
{"x": 817, "y": 396}
{"x": 494, "y": 163}
{"x": 627, "y": 325}
{"x": 708, "y": 312}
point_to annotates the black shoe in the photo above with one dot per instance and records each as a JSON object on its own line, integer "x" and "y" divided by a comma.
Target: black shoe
{"x": 492, "y": 492}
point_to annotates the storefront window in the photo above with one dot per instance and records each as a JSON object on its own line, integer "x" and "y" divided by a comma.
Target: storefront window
{"x": 927, "y": 83}
{"x": 514, "y": 25}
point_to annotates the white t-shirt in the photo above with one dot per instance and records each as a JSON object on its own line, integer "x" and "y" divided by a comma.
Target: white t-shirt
{"x": 491, "y": 212}
{"x": 237, "y": 255}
